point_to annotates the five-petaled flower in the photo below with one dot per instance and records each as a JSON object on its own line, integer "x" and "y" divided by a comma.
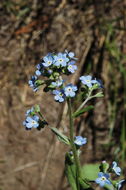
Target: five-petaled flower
{"x": 80, "y": 141}
{"x": 103, "y": 179}
{"x": 115, "y": 168}
{"x": 48, "y": 60}
{"x": 72, "y": 67}
{"x": 87, "y": 80}
{"x": 59, "y": 95}
{"x": 60, "y": 60}
{"x": 31, "y": 122}
{"x": 70, "y": 90}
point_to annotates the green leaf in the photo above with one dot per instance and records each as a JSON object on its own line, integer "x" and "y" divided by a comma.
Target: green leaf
{"x": 109, "y": 187}
{"x": 37, "y": 108}
{"x": 99, "y": 95}
{"x": 84, "y": 185}
{"x": 70, "y": 171}
{"x": 90, "y": 171}
{"x": 80, "y": 112}
{"x": 63, "y": 138}
{"x": 104, "y": 166}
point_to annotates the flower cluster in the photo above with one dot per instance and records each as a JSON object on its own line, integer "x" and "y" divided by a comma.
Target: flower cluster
{"x": 33, "y": 120}
{"x": 104, "y": 175}
{"x": 51, "y": 68}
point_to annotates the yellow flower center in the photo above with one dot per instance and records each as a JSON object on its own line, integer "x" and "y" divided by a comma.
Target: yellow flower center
{"x": 33, "y": 122}
{"x": 103, "y": 178}
{"x": 60, "y": 60}
{"x": 88, "y": 81}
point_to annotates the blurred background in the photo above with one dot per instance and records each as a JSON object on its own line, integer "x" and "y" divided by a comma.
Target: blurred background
{"x": 96, "y": 31}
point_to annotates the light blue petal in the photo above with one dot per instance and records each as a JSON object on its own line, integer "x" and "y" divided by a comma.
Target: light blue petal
{"x": 100, "y": 174}
{"x": 29, "y": 125}
{"x": 88, "y": 77}
{"x": 35, "y": 117}
{"x": 29, "y": 119}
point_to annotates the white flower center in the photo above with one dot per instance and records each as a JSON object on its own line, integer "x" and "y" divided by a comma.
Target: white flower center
{"x": 33, "y": 122}
{"x": 88, "y": 81}
{"x": 70, "y": 66}
{"x": 103, "y": 178}
{"x": 69, "y": 89}
{"x": 60, "y": 60}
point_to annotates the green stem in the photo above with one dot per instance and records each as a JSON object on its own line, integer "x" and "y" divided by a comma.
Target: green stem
{"x": 73, "y": 147}
{"x": 85, "y": 101}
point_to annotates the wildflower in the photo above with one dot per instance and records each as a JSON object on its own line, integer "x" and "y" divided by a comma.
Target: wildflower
{"x": 30, "y": 111}
{"x": 32, "y": 83}
{"x": 103, "y": 179}
{"x": 70, "y": 54}
{"x": 80, "y": 140}
{"x": 116, "y": 169}
{"x": 39, "y": 70}
{"x": 59, "y": 95}
{"x": 71, "y": 67}
{"x": 48, "y": 60}
{"x": 87, "y": 80}
{"x": 120, "y": 184}
{"x": 60, "y": 60}
{"x": 70, "y": 90}
{"x": 57, "y": 83}
{"x": 31, "y": 122}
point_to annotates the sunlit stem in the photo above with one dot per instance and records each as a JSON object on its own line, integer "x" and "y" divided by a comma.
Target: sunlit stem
{"x": 73, "y": 147}
{"x": 85, "y": 101}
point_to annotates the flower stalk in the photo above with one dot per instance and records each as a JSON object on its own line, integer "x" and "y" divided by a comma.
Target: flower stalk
{"x": 73, "y": 147}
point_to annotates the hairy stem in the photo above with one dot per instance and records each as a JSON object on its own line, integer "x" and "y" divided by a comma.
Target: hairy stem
{"x": 73, "y": 147}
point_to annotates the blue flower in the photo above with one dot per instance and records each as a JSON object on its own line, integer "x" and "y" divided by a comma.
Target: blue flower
{"x": 120, "y": 183}
{"x": 70, "y": 90}
{"x": 32, "y": 83}
{"x": 28, "y": 112}
{"x": 31, "y": 122}
{"x": 103, "y": 179}
{"x": 70, "y": 54}
{"x": 87, "y": 80}
{"x": 80, "y": 140}
{"x": 71, "y": 67}
{"x": 116, "y": 169}
{"x": 98, "y": 82}
{"x": 57, "y": 83}
{"x": 60, "y": 60}
{"x": 39, "y": 70}
{"x": 59, "y": 95}
{"x": 48, "y": 60}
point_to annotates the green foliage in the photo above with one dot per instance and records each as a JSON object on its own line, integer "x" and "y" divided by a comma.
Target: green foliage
{"x": 63, "y": 138}
{"x": 90, "y": 171}
{"x": 84, "y": 185}
{"x": 80, "y": 112}
{"x": 104, "y": 166}
{"x": 70, "y": 171}
{"x": 37, "y": 108}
